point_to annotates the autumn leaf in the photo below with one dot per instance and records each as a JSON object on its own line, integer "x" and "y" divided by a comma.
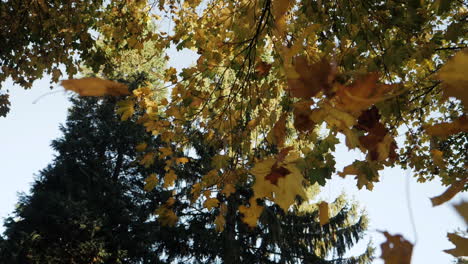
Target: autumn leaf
{"x": 454, "y": 188}
{"x": 93, "y": 86}
{"x": 262, "y": 69}
{"x": 312, "y": 78}
{"x": 324, "y": 216}
{"x": 454, "y": 77}
{"x": 210, "y": 203}
{"x": 276, "y": 173}
{"x": 141, "y": 147}
{"x": 279, "y": 131}
{"x": 228, "y": 190}
{"x": 169, "y": 179}
{"x": 448, "y": 128}
{"x": 125, "y": 108}
{"x": 182, "y": 160}
{"x": 396, "y": 250}
{"x": 361, "y": 94}
{"x": 461, "y": 245}
{"x": 251, "y": 213}
{"x": 462, "y": 210}
{"x": 438, "y": 158}
{"x": 303, "y": 121}
{"x": 148, "y": 159}
{"x": 366, "y": 175}
{"x": 166, "y": 216}
{"x": 151, "y": 182}
{"x": 219, "y": 222}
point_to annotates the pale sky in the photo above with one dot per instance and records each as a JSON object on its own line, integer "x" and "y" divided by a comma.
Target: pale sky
{"x": 28, "y": 130}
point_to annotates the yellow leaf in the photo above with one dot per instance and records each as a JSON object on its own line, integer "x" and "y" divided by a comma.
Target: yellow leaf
{"x": 454, "y": 188}
{"x": 210, "y": 203}
{"x": 396, "y": 250}
{"x": 281, "y": 182}
{"x": 141, "y": 147}
{"x": 151, "y": 182}
{"x": 252, "y": 213}
{"x": 165, "y": 152}
{"x": 323, "y": 213}
{"x": 454, "y": 77}
{"x": 461, "y": 245}
{"x": 182, "y": 160}
{"x": 166, "y": 216}
{"x": 228, "y": 190}
{"x": 219, "y": 223}
{"x": 437, "y": 157}
{"x": 169, "y": 179}
{"x": 126, "y": 109}
{"x": 93, "y": 86}
{"x": 148, "y": 159}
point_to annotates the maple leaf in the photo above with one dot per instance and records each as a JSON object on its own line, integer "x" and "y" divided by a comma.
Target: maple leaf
{"x": 302, "y": 116}
{"x": 276, "y": 173}
{"x": 210, "y": 203}
{"x": 126, "y": 109}
{"x": 141, "y": 147}
{"x": 324, "y": 216}
{"x": 312, "y": 78}
{"x": 461, "y": 245}
{"x": 182, "y": 160}
{"x": 288, "y": 186}
{"x": 219, "y": 222}
{"x": 446, "y": 129}
{"x": 262, "y": 69}
{"x": 396, "y": 250}
{"x": 361, "y": 94}
{"x": 148, "y": 159}
{"x": 454, "y": 188}
{"x": 437, "y": 157}
{"x": 454, "y": 77}
{"x": 166, "y": 216}
{"x": 169, "y": 179}
{"x": 365, "y": 174}
{"x": 279, "y": 131}
{"x": 228, "y": 190}
{"x": 251, "y": 213}
{"x": 93, "y": 86}
{"x": 151, "y": 182}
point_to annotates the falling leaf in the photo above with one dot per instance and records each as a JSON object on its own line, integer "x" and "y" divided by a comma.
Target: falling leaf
{"x": 365, "y": 174}
{"x": 210, "y": 203}
{"x": 312, "y": 79}
{"x": 461, "y": 245}
{"x": 151, "y": 182}
{"x": 454, "y": 77}
{"x": 462, "y": 210}
{"x": 93, "y": 86}
{"x": 454, "y": 188}
{"x": 361, "y": 94}
{"x": 324, "y": 216}
{"x": 446, "y": 129}
{"x": 396, "y": 250}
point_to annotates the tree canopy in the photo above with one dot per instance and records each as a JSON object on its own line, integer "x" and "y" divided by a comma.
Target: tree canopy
{"x": 278, "y": 83}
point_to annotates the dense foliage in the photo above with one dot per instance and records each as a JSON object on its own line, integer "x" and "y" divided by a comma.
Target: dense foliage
{"x": 278, "y": 83}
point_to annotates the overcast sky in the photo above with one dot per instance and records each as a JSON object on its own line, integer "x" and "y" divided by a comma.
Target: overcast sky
{"x": 26, "y": 134}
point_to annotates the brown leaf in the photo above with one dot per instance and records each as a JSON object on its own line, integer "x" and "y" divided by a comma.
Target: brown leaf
{"x": 276, "y": 173}
{"x": 302, "y": 113}
{"x": 446, "y": 129}
{"x": 396, "y": 250}
{"x": 279, "y": 131}
{"x": 324, "y": 216}
{"x": 454, "y": 77}
{"x": 454, "y": 188}
{"x": 313, "y": 78}
{"x": 93, "y": 86}
{"x": 461, "y": 245}
{"x": 283, "y": 153}
{"x": 462, "y": 209}
{"x": 361, "y": 94}
{"x": 262, "y": 69}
